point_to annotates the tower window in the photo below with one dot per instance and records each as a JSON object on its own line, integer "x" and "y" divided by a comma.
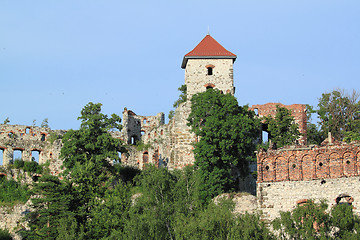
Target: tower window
{"x": 209, "y": 71}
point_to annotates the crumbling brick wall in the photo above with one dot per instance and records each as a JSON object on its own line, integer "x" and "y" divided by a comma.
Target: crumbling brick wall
{"x": 298, "y": 111}
{"x": 315, "y": 172}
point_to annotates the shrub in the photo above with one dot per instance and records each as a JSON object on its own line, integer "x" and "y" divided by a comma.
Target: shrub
{"x": 5, "y": 234}
{"x": 18, "y": 163}
{"x": 12, "y": 192}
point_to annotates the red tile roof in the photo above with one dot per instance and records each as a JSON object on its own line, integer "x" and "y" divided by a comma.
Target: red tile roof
{"x": 208, "y": 48}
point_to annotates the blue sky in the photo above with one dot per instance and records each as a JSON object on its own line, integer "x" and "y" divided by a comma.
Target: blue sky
{"x": 56, "y": 56}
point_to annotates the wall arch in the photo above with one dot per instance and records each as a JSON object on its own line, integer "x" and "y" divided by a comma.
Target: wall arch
{"x": 282, "y": 169}
{"x": 268, "y": 170}
{"x": 349, "y": 164}
{"x": 308, "y": 167}
{"x": 322, "y": 166}
{"x": 335, "y": 165}
{"x": 295, "y": 168}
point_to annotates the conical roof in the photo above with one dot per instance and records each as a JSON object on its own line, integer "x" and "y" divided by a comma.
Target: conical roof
{"x": 208, "y": 48}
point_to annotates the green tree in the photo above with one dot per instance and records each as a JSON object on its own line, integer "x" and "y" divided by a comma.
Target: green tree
{"x": 309, "y": 221}
{"x": 227, "y": 134}
{"x": 282, "y": 129}
{"x": 345, "y": 222}
{"x": 313, "y": 133}
{"x": 58, "y": 200}
{"x": 339, "y": 113}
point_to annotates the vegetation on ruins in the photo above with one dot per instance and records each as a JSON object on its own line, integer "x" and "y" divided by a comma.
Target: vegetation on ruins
{"x": 282, "y": 128}
{"x": 313, "y": 221}
{"x": 339, "y": 113}
{"x": 182, "y": 98}
{"x": 227, "y": 134}
{"x": 5, "y": 234}
{"x": 12, "y": 192}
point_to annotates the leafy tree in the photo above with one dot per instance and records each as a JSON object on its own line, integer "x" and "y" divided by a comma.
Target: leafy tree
{"x": 309, "y": 221}
{"x": 151, "y": 216}
{"x": 345, "y": 221}
{"x": 339, "y": 113}
{"x": 282, "y": 129}
{"x": 12, "y": 192}
{"x": 58, "y": 200}
{"x": 313, "y": 133}
{"x": 218, "y": 222}
{"x": 110, "y": 214}
{"x": 227, "y": 134}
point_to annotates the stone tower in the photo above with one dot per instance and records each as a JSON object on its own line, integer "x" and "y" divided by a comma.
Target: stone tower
{"x": 209, "y": 65}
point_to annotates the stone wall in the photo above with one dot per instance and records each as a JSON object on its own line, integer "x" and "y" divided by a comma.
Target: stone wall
{"x": 314, "y": 172}
{"x": 28, "y": 140}
{"x": 197, "y": 78}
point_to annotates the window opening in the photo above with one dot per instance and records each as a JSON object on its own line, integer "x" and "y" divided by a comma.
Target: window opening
{"x": 11, "y": 135}
{"x": 256, "y": 111}
{"x": 27, "y": 130}
{"x": 142, "y": 132}
{"x": 144, "y": 121}
{"x": 133, "y": 140}
{"x": 209, "y": 87}
{"x": 35, "y": 155}
{"x": 17, "y": 155}
{"x": 42, "y": 137}
{"x": 209, "y": 71}
{"x": 145, "y": 157}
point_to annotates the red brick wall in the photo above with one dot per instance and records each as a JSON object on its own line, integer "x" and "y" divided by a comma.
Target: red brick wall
{"x": 307, "y": 163}
{"x": 298, "y": 112}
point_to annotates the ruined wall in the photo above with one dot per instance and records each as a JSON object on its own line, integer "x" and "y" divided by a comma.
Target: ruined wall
{"x": 315, "y": 172}
{"x": 298, "y": 112}
{"x": 197, "y": 78}
{"x": 28, "y": 141}
{"x": 167, "y": 145}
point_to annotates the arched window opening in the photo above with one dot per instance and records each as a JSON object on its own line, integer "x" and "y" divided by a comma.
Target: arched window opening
{"x": 256, "y": 111}
{"x": 133, "y": 140}
{"x": 209, "y": 71}
{"x": 35, "y": 156}
{"x": 11, "y": 135}
{"x": 27, "y": 130}
{"x": 209, "y": 85}
{"x": 142, "y": 132}
{"x": 43, "y": 136}
{"x": 145, "y": 157}
{"x": 17, "y": 155}
{"x": 144, "y": 121}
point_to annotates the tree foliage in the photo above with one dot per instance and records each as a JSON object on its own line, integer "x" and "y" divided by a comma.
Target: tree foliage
{"x": 227, "y": 134}
{"x": 312, "y": 221}
{"x": 282, "y": 128}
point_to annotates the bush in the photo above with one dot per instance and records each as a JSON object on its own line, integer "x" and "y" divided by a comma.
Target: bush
{"x": 12, "y": 192}
{"x": 5, "y": 234}
{"x": 32, "y": 167}
{"x": 18, "y": 163}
